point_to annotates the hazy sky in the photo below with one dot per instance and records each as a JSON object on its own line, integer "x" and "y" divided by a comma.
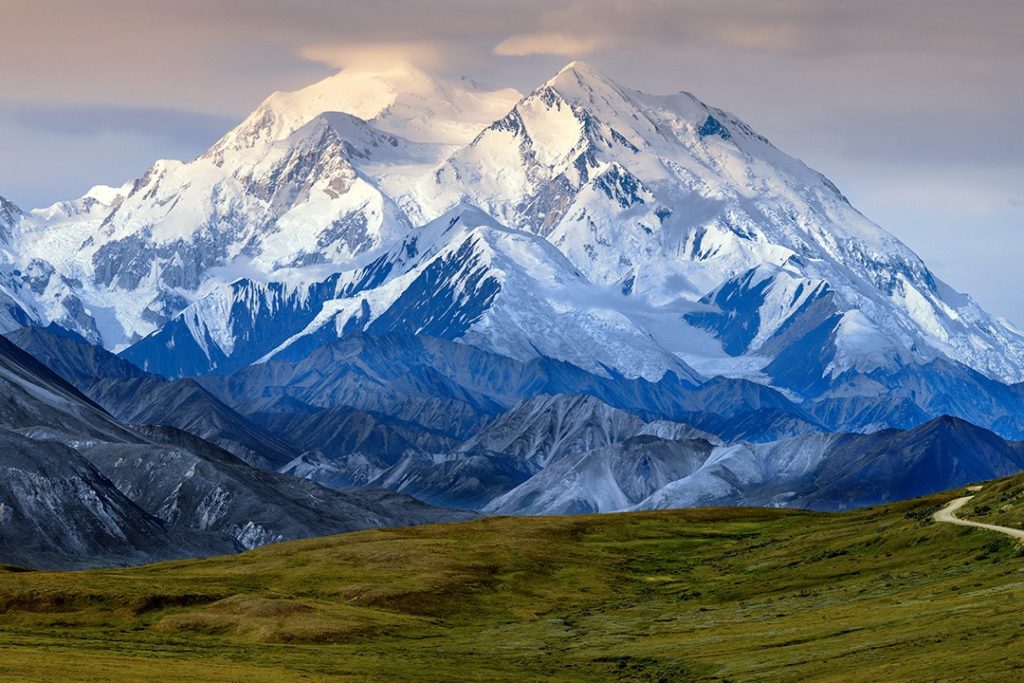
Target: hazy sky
{"x": 913, "y": 107}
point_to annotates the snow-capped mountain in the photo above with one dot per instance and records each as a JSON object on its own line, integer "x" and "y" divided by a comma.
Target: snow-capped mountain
{"x": 625, "y": 233}
{"x": 301, "y": 183}
{"x": 668, "y": 198}
{"x": 297, "y": 202}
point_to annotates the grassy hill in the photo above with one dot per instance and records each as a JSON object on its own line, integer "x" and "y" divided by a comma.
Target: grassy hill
{"x": 702, "y": 595}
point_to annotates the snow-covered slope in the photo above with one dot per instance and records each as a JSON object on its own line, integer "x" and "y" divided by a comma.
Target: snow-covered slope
{"x": 463, "y": 276}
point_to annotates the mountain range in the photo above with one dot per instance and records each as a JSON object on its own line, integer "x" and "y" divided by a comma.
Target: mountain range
{"x": 80, "y": 489}
{"x": 586, "y": 222}
{"x": 581, "y": 298}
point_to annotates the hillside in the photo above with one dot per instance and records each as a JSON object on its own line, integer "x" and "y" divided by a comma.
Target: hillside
{"x": 710, "y": 595}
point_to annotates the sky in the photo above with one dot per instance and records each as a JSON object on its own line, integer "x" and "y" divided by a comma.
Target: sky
{"x": 913, "y": 108}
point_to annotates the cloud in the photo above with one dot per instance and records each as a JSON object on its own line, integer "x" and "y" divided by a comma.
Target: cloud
{"x": 561, "y": 44}
{"x": 425, "y": 54}
{"x": 175, "y": 125}
{"x": 778, "y": 37}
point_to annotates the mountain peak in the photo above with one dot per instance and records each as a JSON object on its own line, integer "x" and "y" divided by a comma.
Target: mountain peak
{"x": 588, "y": 88}
{"x": 580, "y": 67}
{"x": 579, "y": 74}
{"x": 107, "y": 195}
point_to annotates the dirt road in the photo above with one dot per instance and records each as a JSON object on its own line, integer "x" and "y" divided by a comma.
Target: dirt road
{"x": 948, "y": 515}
